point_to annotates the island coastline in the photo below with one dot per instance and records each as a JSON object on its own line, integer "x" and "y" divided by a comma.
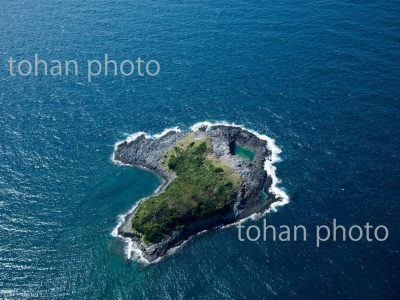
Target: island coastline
{"x": 136, "y": 250}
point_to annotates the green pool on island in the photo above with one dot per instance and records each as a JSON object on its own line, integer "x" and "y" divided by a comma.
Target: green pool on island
{"x": 243, "y": 152}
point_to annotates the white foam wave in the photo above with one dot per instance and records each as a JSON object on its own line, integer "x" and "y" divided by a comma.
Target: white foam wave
{"x": 166, "y": 131}
{"x": 133, "y": 251}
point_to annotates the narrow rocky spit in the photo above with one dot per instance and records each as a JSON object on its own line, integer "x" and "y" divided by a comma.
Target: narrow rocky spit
{"x": 148, "y": 152}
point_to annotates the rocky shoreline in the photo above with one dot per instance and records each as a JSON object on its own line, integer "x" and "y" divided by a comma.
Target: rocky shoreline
{"x": 148, "y": 152}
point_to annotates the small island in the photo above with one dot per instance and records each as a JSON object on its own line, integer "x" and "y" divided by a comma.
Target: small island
{"x": 212, "y": 176}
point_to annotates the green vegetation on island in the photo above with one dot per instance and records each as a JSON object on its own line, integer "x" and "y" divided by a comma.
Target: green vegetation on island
{"x": 203, "y": 187}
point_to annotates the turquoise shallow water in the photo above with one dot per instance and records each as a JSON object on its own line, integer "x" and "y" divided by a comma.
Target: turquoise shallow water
{"x": 320, "y": 77}
{"x": 244, "y": 152}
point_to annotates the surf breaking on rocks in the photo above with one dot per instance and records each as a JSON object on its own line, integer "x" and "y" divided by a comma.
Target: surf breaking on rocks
{"x": 133, "y": 251}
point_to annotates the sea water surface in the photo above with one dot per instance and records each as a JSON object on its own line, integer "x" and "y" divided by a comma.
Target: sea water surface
{"x": 320, "y": 77}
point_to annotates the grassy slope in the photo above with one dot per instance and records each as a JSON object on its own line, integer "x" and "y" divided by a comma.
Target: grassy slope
{"x": 203, "y": 187}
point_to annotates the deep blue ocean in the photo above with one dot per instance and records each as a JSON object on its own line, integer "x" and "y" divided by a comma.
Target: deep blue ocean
{"x": 320, "y": 77}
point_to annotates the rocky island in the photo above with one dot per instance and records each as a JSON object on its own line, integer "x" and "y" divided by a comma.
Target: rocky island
{"x": 212, "y": 175}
